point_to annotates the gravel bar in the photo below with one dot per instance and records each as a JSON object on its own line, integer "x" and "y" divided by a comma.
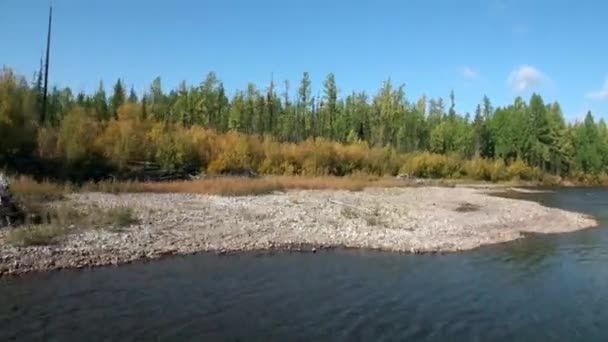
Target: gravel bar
{"x": 413, "y": 220}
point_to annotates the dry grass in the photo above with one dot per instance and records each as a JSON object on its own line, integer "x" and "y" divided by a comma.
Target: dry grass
{"x": 26, "y": 188}
{"x": 114, "y": 219}
{"x": 46, "y": 224}
{"x": 225, "y": 186}
{"x": 241, "y": 186}
{"x": 40, "y": 235}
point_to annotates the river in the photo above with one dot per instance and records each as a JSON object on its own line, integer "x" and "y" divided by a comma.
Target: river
{"x": 543, "y": 288}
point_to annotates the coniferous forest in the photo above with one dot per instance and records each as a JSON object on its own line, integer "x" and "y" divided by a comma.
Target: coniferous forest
{"x": 282, "y": 128}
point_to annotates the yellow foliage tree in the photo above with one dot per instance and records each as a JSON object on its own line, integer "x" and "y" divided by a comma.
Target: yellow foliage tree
{"x": 77, "y": 135}
{"x": 125, "y": 138}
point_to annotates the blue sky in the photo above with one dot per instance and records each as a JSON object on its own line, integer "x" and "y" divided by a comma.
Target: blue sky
{"x": 502, "y": 48}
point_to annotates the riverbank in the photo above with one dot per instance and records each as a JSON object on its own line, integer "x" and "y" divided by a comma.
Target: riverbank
{"x": 416, "y": 220}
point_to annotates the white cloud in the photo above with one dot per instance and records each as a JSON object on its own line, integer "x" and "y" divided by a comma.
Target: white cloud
{"x": 601, "y": 94}
{"x": 469, "y": 73}
{"x": 525, "y": 78}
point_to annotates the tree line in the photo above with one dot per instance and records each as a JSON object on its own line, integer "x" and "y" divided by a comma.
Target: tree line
{"x": 277, "y": 129}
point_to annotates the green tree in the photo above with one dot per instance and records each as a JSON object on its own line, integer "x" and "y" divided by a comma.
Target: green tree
{"x": 238, "y": 110}
{"x": 330, "y": 106}
{"x": 304, "y": 108}
{"x": 100, "y": 103}
{"x": 157, "y": 101}
{"x": 538, "y": 134}
{"x": 587, "y": 140}
{"x": 132, "y": 96}
{"x": 118, "y": 97}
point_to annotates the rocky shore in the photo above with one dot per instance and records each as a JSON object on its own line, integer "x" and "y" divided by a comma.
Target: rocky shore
{"x": 416, "y": 220}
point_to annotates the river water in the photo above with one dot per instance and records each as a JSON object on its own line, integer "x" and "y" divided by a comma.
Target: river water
{"x": 545, "y": 288}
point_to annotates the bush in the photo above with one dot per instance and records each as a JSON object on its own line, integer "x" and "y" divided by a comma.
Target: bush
{"x": 384, "y": 161}
{"x": 518, "y": 170}
{"x": 479, "y": 169}
{"x": 551, "y": 180}
{"x": 236, "y": 152}
{"x": 432, "y": 165}
{"x": 499, "y": 171}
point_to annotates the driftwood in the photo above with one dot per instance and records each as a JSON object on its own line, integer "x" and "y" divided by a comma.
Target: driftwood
{"x": 153, "y": 172}
{"x": 408, "y": 177}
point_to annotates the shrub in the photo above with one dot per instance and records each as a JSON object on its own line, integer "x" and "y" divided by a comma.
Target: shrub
{"x": 518, "y": 170}
{"x": 431, "y": 165}
{"x": 499, "y": 171}
{"x": 551, "y": 180}
{"x": 318, "y": 158}
{"x": 236, "y": 152}
{"x": 479, "y": 169}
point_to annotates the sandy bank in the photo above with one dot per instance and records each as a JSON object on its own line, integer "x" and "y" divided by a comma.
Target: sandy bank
{"x": 423, "y": 219}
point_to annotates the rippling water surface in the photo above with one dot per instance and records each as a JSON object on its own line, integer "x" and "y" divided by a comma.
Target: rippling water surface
{"x": 546, "y": 288}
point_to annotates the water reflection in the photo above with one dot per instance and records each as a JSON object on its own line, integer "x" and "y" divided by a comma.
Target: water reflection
{"x": 531, "y": 255}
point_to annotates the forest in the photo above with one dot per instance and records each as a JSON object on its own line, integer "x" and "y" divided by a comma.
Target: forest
{"x": 284, "y": 130}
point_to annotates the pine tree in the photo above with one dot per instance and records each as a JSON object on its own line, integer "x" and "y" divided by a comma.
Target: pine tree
{"x": 100, "y": 103}
{"x": 588, "y": 158}
{"x": 157, "y": 101}
{"x": 237, "y": 112}
{"x": 303, "y": 108}
{"x": 539, "y": 136}
{"x": 132, "y": 96}
{"x": 118, "y": 97}
{"x": 330, "y": 110}
{"x": 452, "y": 111}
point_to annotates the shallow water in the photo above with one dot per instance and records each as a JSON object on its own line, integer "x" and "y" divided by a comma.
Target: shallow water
{"x": 544, "y": 288}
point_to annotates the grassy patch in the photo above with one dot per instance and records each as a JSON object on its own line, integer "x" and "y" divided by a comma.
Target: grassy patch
{"x": 48, "y": 223}
{"x": 114, "y": 219}
{"x": 59, "y": 215}
{"x": 466, "y": 207}
{"x": 40, "y": 235}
